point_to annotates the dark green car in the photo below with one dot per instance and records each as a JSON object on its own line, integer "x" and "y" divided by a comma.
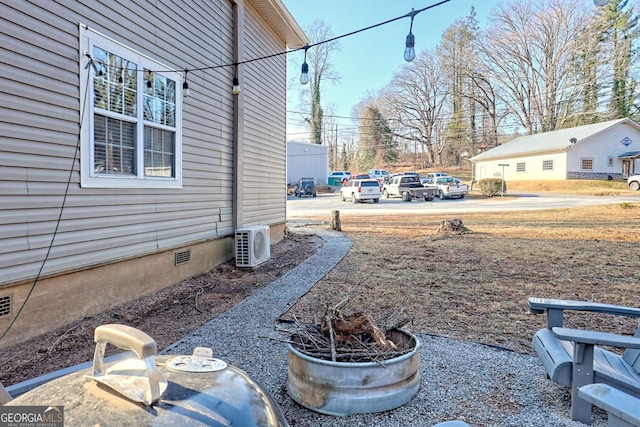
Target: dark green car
{"x": 305, "y": 187}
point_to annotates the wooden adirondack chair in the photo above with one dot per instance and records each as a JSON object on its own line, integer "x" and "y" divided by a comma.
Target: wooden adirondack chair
{"x": 4, "y": 395}
{"x": 573, "y": 357}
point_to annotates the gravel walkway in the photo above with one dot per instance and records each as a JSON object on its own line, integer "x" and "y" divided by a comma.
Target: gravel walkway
{"x": 482, "y": 385}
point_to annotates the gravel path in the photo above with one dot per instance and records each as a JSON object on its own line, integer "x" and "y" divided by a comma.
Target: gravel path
{"x": 482, "y": 385}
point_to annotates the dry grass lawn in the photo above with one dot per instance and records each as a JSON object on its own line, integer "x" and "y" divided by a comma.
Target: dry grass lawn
{"x": 474, "y": 286}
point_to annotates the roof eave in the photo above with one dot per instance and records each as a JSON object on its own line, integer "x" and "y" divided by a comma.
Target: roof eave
{"x": 281, "y": 20}
{"x": 521, "y": 154}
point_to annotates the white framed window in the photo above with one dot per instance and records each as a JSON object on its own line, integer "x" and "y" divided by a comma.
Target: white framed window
{"x": 610, "y": 161}
{"x": 586, "y": 164}
{"x": 131, "y": 117}
{"x": 521, "y": 167}
{"x": 547, "y": 165}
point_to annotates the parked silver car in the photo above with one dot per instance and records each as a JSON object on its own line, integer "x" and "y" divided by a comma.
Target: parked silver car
{"x": 359, "y": 190}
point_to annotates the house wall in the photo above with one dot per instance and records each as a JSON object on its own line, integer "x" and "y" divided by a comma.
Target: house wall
{"x": 307, "y": 160}
{"x": 601, "y": 147}
{"x": 263, "y": 169}
{"x": 114, "y": 244}
{"x": 601, "y": 144}
{"x": 533, "y": 168}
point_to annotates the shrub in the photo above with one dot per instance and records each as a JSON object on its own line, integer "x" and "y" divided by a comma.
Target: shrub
{"x": 491, "y": 186}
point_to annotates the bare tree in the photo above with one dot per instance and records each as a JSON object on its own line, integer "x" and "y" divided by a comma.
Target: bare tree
{"x": 320, "y": 70}
{"x": 415, "y": 99}
{"x": 527, "y": 51}
{"x": 330, "y": 135}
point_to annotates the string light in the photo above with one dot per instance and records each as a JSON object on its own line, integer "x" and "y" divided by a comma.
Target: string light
{"x": 149, "y": 84}
{"x": 304, "y": 75}
{"x": 410, "y": 51}
{"x": 185, "y": 85}
{"x": 409, "y": 54}
{"x": 235, "y": 88}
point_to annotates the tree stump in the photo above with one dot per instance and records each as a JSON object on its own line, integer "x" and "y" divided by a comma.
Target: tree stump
{"x": 453, "y": 226}
{"x": 335, "y": 221}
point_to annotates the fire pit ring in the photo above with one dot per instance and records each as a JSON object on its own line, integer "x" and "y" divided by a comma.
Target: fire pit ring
{"x": 343, "y": 388}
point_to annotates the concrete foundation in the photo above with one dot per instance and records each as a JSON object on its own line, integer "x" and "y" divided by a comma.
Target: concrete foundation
{"x": 58, "y": 300}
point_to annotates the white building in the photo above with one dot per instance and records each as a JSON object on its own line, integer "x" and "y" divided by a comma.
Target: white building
{"x": 605, "y": 150}
{"x": 307, "y": 160}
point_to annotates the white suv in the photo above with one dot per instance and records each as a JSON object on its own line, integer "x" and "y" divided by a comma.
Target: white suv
{"x": 359, "y": 190}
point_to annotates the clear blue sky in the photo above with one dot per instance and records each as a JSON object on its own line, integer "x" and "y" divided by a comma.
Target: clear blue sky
{"x": 367, "y": 61}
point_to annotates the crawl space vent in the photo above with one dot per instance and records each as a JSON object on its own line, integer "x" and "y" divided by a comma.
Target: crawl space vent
{"x": 5, "y": 305}
{"x": 183, "y": 257}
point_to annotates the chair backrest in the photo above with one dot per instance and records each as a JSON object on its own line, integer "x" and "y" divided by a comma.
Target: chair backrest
{"x": 632, "y": 355}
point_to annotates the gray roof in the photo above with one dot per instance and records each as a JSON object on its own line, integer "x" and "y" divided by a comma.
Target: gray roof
{"x": 557, "y": 140}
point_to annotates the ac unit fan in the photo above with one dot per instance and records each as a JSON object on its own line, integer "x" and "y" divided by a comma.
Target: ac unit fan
{"x": 253, "y": 245}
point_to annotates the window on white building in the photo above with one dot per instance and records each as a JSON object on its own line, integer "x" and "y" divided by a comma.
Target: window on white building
{"x": 610, "y": 161}
{"x": 521, "y": 167}
{"x": 547, "y": 165}
{"x": 586, "y": 164}
{"x": 131, "y": 117}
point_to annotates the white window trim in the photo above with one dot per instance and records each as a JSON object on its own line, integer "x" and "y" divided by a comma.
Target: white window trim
{"x": 89, "y": 37}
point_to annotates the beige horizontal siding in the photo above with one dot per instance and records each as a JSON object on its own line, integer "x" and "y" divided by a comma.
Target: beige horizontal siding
{"x": 264, "y": 175}
{"x": 39, "y": 98}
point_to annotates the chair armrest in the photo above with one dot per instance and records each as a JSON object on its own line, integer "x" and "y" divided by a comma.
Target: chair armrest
{"x": 555, "y": 308}
{"x": 596, "y": 338}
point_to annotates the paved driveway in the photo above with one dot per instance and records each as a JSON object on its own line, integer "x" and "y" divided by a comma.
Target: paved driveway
{"x": 322, "y": 205}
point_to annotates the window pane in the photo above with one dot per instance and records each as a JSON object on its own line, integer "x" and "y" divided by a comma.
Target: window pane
{"x": 114, "y": 146}
{"x": 115, "y": 83}
{"x": 99, "y": 144}
{"x": 159, "y": 152}
{"x": 160, "y": 99}
{"x": 587, "y": 164}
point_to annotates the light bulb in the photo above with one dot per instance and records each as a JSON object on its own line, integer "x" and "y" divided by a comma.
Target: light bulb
{"x": 304, "y": 76}
{"x": 600, "y": 2}
{"x": 409, "y": 51}
{"x": 149, "y": 84}
{"x": 185, "y": 89}
{"x": 235, "y": 89}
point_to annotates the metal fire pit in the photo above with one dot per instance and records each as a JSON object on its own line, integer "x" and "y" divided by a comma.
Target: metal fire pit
{"x": 342, "y": 388}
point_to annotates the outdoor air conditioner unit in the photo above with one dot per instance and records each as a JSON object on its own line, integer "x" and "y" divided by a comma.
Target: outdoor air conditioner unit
{"x": 253, "y": 245}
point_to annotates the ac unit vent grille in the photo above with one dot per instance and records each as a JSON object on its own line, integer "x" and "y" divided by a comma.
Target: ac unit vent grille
{"x": 253, "y": 246}
{"x": 5, "y": 305}
{"x": 183, "y": 257}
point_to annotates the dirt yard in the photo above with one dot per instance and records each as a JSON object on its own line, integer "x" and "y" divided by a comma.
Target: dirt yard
{"x": 472, "y": 286}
